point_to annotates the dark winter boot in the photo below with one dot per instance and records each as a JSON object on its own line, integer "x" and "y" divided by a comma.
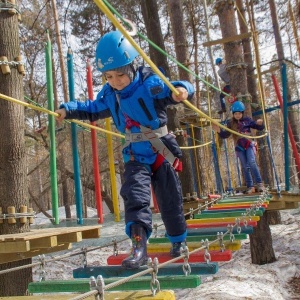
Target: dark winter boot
{"x": 175, "y": 250}
{"x": 138, "y": 256}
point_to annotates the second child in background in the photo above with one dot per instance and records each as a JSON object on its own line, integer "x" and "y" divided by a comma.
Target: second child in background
{"x": 223, "y": 74}
{"x": 245, "y": 148}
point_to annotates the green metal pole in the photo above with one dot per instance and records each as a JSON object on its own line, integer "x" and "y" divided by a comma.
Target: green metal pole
{"x": 51, "y": 126}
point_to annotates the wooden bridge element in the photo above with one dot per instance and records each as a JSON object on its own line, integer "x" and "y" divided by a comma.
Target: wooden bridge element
{"x": 24, "y": 245}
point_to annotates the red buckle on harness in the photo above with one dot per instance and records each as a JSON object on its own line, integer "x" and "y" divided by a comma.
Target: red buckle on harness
{"x": 177, "y": 165}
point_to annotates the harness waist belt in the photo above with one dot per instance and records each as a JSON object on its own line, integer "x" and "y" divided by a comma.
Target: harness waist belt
{"x": 152, "y": 136}
{"x": 147, "y": 134}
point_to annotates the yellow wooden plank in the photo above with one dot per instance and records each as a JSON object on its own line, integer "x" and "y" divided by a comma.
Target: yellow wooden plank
{"x": 71, "y": 237}
{"x": 9, "y": 257}
{"x": 165, "y": 247}
{"x": 44, "y": 242}
{"x": 221, "y": 220}
{"x": 228, "y": 39}
{"x": 14, "y": 246}
{"x": 91, "y": 233}
{"x": 128, "y": 295}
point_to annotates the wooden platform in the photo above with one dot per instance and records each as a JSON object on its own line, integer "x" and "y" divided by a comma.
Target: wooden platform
{"x": 19, "y": 246}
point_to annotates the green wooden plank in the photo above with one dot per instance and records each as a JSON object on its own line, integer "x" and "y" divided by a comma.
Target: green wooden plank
{"x": 141, "y": 283}
{"x": 242, "y": 199}
{"x": 197, "y": 238}
{"x": 204, "y": 215}
{"x": 168, "y": 270}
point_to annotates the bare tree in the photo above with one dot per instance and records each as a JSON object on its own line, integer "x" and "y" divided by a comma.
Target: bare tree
{"x": 181, "y": 49}
{"x": 13, "y": 186}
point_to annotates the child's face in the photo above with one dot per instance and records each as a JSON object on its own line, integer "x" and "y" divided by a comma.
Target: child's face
{"x": 238, "y": 115}
{"x": 117, "y": 80}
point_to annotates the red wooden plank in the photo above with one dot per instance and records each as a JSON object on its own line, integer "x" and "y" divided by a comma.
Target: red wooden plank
{"x": 164, "y": 257}
{"x": 211, "y": 225}
{"x": 234, "y": 206}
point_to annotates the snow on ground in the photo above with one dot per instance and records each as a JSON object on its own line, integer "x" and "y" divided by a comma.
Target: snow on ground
{"x": 237, "y": 279}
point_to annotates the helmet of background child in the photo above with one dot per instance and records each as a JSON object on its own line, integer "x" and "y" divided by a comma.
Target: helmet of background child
{"x": 237, "y": 106}
{"x": 114, "y": 51}
{"x": 218, "y": 60}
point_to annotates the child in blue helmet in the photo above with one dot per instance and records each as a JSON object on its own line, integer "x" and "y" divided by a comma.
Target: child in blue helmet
{"x": 244, "y": 147}
{"x": 136, "y": 99}
{"x": 222, "y": 72}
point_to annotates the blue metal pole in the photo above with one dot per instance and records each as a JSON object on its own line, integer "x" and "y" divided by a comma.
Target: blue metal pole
{"x": 76, "y": 164}
{"x": 228, "y": 169}
{"x": 216, "y": 165}
{"x": 285, "y": 126}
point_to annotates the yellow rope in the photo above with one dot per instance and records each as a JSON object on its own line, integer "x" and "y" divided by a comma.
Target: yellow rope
{"x": 119, "y": 26}
{"x": 42, "y": 109}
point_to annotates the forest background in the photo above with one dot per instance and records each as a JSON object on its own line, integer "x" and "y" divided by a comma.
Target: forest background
{"x": 180, "y": 29}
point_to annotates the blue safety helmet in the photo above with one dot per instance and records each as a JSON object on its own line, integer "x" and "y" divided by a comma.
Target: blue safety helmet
{"x": 237, "y": 106}
{"x": 218, "y": 60}
{"x": 114, "y": 51}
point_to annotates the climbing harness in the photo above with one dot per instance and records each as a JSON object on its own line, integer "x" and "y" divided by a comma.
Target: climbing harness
{"x": 153, "y": 136}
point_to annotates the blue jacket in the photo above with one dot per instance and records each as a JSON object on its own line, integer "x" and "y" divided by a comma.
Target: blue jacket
{"x": 244, "y": 127}
{"x": 143, "y": 101}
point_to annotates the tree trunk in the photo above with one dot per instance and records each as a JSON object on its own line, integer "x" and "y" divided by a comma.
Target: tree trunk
{"x": 261, "y": 243}
{"x": 13, "y": 186}
{"x": 181, "y": 49}
{"x": 233, "y": 54}
{"x": 154, "y": 33}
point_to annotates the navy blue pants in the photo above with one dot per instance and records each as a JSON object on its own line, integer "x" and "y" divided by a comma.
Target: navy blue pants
{"x": 136, "y": 192}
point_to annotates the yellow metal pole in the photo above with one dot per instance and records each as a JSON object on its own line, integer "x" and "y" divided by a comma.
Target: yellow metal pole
{"x": 112, "y": 172}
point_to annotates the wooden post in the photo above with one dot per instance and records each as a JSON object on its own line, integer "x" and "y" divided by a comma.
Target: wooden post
{"x": 23, "y": 209}
{"x": 11, "y": 210}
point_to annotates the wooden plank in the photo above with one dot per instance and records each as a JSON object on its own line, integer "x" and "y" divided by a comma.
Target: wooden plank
{"x": 171, "y": 269}
{"x": 222, "y": 220}
{"x": 215, "y": 230}
{"x": 92, "y": 233}
{"x": 14, "y": 247}
{"x": 71, "y": 237}
{"x": 89, "y": 232}
{"x": 198, "y": 238}
{"x": 228, "y": 39}
{"x": 44, "y": 242}
{"x": 221, "y": 224}
{"x": 128, "y": 295}
{"x": 157, "y": 248}
{"x": 279, "y": 205}
{"x": 140, "y": 283}
{"x": 241, "y": 210}
{"x": 164, "y": 257}
{"x": 9, "y": 257}
{"x": 237, "y": 214}
{"x": 286, "y": 196}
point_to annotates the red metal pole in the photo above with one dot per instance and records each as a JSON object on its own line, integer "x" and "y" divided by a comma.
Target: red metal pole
{"x": 97, "y": 178}
{"x": 290, "y": 132}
